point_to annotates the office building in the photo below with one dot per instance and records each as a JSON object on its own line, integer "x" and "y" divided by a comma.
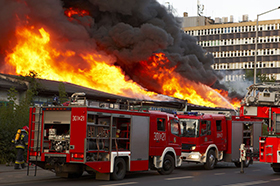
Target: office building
{"x": 233, "y": 46}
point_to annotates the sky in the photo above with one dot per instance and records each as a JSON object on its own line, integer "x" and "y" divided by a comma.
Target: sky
{"x": 223, "y": 8}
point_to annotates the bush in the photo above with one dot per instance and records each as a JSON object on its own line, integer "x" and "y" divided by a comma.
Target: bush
{"x": 12, "y": 118}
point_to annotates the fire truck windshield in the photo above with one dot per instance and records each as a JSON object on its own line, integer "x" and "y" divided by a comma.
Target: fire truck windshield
{"x": 189, "y": 127}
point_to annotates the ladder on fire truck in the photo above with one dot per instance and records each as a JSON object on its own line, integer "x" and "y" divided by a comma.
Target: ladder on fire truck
{"x": 35, "y": 124}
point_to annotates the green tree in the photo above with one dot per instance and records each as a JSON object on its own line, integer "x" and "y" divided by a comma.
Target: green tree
{"x": 63, "y": 97}
{"x": 14, "y": 116}
{"x": 9, "y": 124}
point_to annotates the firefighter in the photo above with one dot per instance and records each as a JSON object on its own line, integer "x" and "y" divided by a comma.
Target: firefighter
{"x": 21, "y": 142}
{"x": 55, "y": 100}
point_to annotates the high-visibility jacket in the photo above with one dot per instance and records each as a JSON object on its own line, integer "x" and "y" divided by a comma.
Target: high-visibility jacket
{"x": 21, "y": 139}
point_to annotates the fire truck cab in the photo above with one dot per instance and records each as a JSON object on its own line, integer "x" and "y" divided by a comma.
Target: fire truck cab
{"x": 106, "y": 141}
{"x": 209, "y": 138}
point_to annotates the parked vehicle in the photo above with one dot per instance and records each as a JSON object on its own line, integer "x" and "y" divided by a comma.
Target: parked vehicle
{"x": 104, "y": 141}
{"x": 209, "y": 138}
{"x": 262, "y": 101}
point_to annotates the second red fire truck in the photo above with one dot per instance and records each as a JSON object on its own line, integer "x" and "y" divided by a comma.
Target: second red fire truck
{"x": 104, "y": 141}
{"x": 209, "y": 138}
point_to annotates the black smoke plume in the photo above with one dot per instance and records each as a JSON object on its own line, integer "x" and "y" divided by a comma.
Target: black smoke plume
{"x": 129, "y": 30}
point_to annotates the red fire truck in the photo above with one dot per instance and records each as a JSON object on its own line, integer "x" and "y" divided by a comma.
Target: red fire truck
{"x": 104, "y": 141}
{"x": 262, "y": 101}
{"x": 209, "y": 138}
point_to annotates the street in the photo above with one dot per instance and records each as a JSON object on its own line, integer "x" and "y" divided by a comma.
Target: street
{"x": 225, "y": 174}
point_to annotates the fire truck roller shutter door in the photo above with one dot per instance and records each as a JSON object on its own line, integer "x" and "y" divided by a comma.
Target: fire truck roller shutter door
{"x": 139, "y": 141}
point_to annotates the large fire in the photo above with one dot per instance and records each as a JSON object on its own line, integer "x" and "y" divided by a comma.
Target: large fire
{"x": 36, "y": 50}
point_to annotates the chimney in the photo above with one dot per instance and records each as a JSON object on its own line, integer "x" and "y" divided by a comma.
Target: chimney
{"x": 224, "y": 19}
{"x": 245, "y": 18}
{"x": 218, "y": 20}
{"x": 231, "y": 19}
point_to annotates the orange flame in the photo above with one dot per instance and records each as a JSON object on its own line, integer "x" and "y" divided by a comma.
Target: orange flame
{"x": 173, "y": 84}
{"x": 34, "y": 52}
{"x": 37, "y": 51}
{"x": 75, "y": 11}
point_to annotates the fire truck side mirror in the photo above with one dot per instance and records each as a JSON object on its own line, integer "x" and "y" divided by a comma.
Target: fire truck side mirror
{"x": 242, "y": 152}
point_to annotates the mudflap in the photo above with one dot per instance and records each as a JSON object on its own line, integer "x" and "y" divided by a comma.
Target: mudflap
{"x": 102, "y": 176}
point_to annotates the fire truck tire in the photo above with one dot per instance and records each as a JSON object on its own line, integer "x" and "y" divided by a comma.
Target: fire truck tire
{"x": 119, "y": 169}
{"x": 210, "y": 161}
{"x": 237, "y": 164}
{"x": 167, "y": 166}
{"x": 245, "y": 163}
{"x": 276, "y": 169}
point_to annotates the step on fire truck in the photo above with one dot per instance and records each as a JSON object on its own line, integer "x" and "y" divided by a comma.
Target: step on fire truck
{"x": 209, "y": 138}
{"x": 105, "y": 141}
{"x": 263, "y": 101}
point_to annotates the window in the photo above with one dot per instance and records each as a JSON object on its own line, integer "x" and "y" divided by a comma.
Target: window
{"x": 205, "y": 128}
{"x": 160, "y": 124}
{"x": 4, "y": 103}
{"x": 189, "y": 127}
{"x": 175, "y": 127}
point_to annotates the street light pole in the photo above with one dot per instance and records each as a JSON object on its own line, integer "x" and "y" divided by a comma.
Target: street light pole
{"x": 256, "y": 43}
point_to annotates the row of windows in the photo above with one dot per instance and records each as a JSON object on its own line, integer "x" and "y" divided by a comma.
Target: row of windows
{"x": 4, "y": 103}
{"x": 246, "y": 53}
{"x": 237, "y": 41}
{"x": 233, "y": 29}
{"x": 245, "y": 65}
{"x": 241, "y": 77}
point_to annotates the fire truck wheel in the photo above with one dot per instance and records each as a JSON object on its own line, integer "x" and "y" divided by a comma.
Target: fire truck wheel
{"x": 119, "y": 169}
{"x": 210, "y": 161}
{"x": 276, "y": 169}
{"x": 246, "y": 163}
{"x": 237, "y": 164}
{"x": 167, "y": 166}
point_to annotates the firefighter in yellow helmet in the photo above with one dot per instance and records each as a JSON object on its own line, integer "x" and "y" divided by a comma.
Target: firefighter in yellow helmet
{"x": 21, "y": 142}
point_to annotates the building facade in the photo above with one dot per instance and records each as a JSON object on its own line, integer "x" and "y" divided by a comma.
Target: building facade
{"x": 233, "y": 47}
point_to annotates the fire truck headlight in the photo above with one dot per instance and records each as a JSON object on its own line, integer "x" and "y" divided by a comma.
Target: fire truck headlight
{"x": 193, "y": 147}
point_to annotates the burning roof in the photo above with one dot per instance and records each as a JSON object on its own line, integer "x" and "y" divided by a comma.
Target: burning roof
{"x": 132, "y": 48}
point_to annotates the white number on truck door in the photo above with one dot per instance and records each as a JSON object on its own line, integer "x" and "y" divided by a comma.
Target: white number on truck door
{"x": 159, "y": 136}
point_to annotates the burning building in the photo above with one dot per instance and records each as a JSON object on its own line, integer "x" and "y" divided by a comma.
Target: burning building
{"x": 133, "y": 48}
